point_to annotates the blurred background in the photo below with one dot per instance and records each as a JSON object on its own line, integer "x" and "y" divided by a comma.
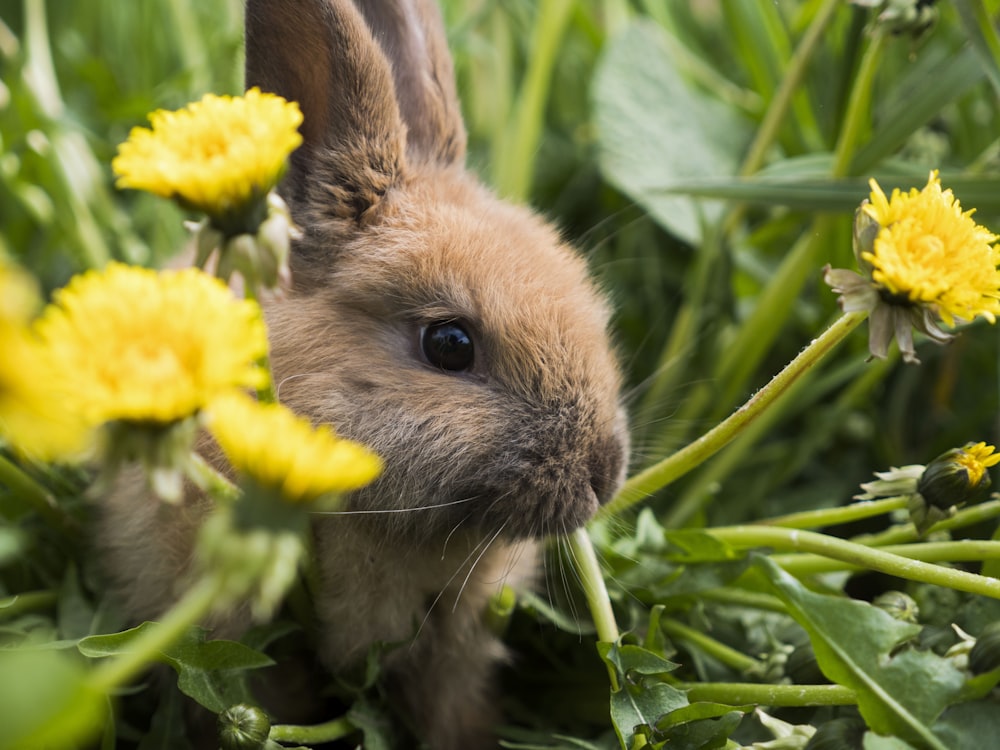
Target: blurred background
{"x": 687, "y": 148}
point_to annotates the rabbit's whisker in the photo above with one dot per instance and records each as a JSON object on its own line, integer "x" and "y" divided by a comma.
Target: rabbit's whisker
{"x": 383, "y": 511}
{"x": 444, "y": 588}
{"x": 472, "y": 567}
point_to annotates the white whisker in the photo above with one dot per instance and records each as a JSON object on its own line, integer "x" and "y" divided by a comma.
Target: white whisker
{"x": 474, "y": 564}
{"x": 391, "y": 510}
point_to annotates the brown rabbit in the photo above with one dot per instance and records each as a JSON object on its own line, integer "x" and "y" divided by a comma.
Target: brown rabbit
{"x": 454, "y": 334}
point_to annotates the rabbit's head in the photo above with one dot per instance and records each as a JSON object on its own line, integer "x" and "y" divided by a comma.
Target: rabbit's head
{"x": 455, "y": 334}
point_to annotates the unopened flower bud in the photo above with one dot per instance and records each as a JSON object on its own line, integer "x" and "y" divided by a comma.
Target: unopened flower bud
{"x": 985, "y": 655}
{"x": 845, "y": 733}
{"x": 243, "y": 727}
{"x": 958, "y": 477}
{"x": 901, "y": 606}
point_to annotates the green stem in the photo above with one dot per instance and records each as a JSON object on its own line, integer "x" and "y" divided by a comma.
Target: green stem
{"x": 516, "y": 166}
{"x": 777, "y": 110}
{"x": 29, "y": 601}
{"x": 313, "y": 735}
{"x": 740, "y": 693}
{"x": 908, "y": 532}
{"x": 716, "y": 649}
{"x": 265, "y": 394}
{"x": 742, "y": 598}
{"x": 26, "y": 488}
{"x": 659, "y": 475}
{"x": 856, "y": 554}
{"x": 592, "y": 580}
{"x": 211, "y": 481}
{"x": 858, "y": 107}
{"x": 191, "y": 608}
{"x": 963, "y": 551}
{"x": 814, "y": 519}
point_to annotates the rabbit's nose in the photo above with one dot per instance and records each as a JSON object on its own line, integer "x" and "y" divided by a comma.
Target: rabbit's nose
{"x": 607, "y": 461}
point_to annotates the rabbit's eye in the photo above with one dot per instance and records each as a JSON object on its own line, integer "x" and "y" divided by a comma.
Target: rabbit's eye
{"x": 447, "y": 345}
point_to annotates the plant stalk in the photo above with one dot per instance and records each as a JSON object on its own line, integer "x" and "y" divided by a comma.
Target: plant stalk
{"x": 659, "y": 475}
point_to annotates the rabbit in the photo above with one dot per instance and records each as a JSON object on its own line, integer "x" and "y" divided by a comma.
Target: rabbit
{"x": 455, "y": 334}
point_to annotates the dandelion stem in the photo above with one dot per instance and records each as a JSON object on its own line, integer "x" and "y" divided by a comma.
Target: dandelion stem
{"x": 859, "y": 555}
{"x": 716, "y": 649}
{"x": 969, "y": 550}
{"x": 738, "y": 693}
{"x": 265, "y": 394}
{"x": 211, "y": 481}
{"x": 659, "y": 475}
{"x": 858, "y": 107}
{"x": 814, "y": 519}
{"x": 592, "y": 580}
{"x": 194, "y": 605}
{"x": 25, "y": 488}
{"x": 908, "y": 532}
{"x": 328, "y": 731}
{"x": 777, "y": 110}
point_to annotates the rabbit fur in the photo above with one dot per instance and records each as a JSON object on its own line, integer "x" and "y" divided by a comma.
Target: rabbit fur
{"x": 480, "y": 462}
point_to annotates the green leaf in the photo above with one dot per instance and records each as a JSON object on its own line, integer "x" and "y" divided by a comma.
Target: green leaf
{"x": 964, "y": 726}
{"x": 640, "y": 702}
{"x": 210, "y": 672}
{"x": 899, "y": 694}
{"x": 166, "y": 729}
{"x": 375, "y": 724}
{"x": 45, "y": 701}
{"x": 655, "y": 128}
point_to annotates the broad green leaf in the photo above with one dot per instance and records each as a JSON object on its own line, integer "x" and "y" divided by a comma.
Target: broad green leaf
{"x": 874, "y": 741}
{"x": 808, "y": 192}
{"x": 640, "y": 701}
{"x": 211, "y": 672}
{"x": 899, "y": 694}
{"x": 375, "y": 724}
{"x": 654, "y": 129}
{"x": 699, "y": 711}
{"x": 700, "y": 734}
{"x": 964, "y": 726}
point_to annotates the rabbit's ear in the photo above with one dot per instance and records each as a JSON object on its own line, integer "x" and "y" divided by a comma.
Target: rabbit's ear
{"x": 321, "y": 54}
{"x": 412, "y": 35}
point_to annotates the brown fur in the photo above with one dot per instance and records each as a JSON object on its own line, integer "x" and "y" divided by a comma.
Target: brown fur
{"x": 479, "y": 463}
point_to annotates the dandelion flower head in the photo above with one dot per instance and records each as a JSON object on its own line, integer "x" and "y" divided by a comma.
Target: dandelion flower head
{"x": 930, "y": 253}
{"x": 151, "y": 347}
{"x": 278, "y": 450}
{"x": 220, "y": 155}
{"x": 976, "y": 459}
{"x": 32, "y": 416}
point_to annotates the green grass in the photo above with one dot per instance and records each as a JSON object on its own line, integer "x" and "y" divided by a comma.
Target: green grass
{"x": 707, "y": 158}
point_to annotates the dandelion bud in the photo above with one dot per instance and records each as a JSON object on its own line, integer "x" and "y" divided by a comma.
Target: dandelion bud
{"x": 958, "y": 477}
{"x": 866, "y": 229}
{"x": 243, "y": 727}
{"x": 901, "y": 606}
{"x": 985, "y": 654}
{"x": 913, "y": 17}
{"x": 500, "y": 609}
{"x": 802, "y": 667}
{"x": 845, "y": 733}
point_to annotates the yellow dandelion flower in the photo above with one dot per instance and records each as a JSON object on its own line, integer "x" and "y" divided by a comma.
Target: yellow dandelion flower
{"x": 976, "y": 459}
{"x": 143, "y": 346}
{"x": 221, "y": 155}
{"x": 33, "y": 418}
{"x": 923, "y": 261}
{"x": 929, "y": 252}
{"x": 278, "y": 450}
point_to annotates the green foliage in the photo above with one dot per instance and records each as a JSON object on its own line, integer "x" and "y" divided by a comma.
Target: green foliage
{"x": 707, "y": 158}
